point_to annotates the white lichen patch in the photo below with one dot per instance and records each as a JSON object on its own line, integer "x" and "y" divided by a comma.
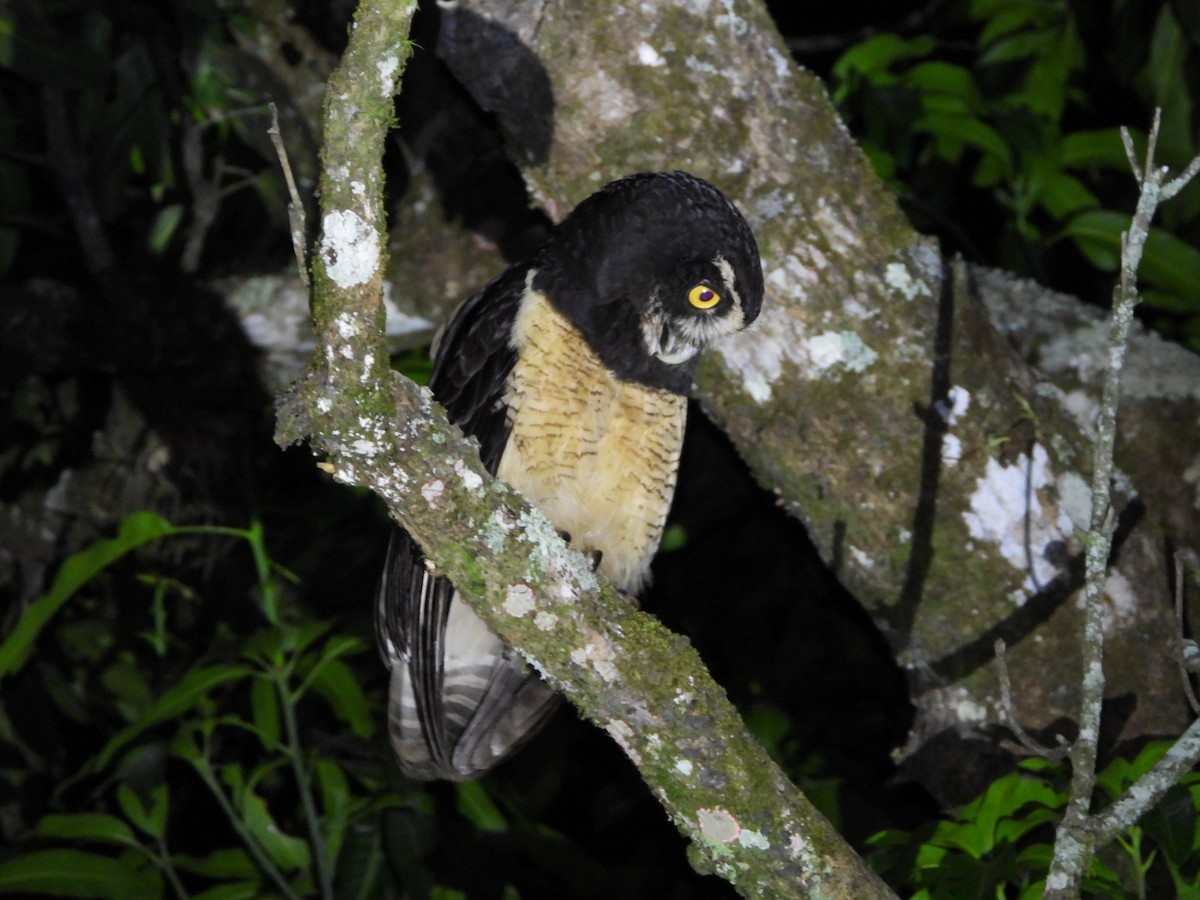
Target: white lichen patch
{"x": 496, "y": 529}
{"x": 545, "y": 620}
{"x": 368, "y": 362}
{"x": 605, "y": 98}
{"x": 834, "y": 225}
{"x": 754, "y": 840}
{"x": 842, "y": 348}
{"x": 432, "y": 492}
{"x": 954, "y": 406}
{"x": 861, "y": 558}
{"x": 324, "y": 404}
{"x": 518, "y": 600}
{"x": 1083, "y": 408}
{"x": 684, "y": 767}
{"x": 471, "y": 480}
{"x": 1075, "y": 499}
{"x": 349, "y": 247}
{"x": 1007, "y": 510}
{"x": 364, "y": 448}
{"x": 1121, "y": 603}
{"x": 797, "y": 846}
{"x": 648, "y": 56}
{"x": 757, "y": 357}
{"x": 951, "y": 450}
{"x": 899, "y": 279}
{"x": 387, "y": 76}
{"x": 717, "y": 826}
{"x": 621, "y": 733}
{"x": 546, "y": 557}
{"x": 346, "y": 327}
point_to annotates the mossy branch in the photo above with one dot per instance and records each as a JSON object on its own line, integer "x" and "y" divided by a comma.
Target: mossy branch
{"x": 625, "y": 672}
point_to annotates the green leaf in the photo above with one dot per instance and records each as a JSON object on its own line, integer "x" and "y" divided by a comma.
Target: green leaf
{"x": 287, "y": 852}
{"x": 152, "y": 820}
{"x": 472, "y": 801}
{"x": 97, "y": 827}
{"x": 1121, "y": 772}
{"x": 1172, "y": 264}
{"x": 193, "y": 687}
{"x": 233, "y": 862}
{"x": 74, "y": 873}
{"x": 876, "y": 55}
{"x": 1101, "y": 147}
{"x": 336, "y": 682}
{"x": 970, "y": 131}
{"x": 335, "y": 790}
{"x": 137, "y": 529}
{"x": 336, "y": 807}
{"x": 944, "y": 87}
{"x": 1168, "y": 263}
{"x": 1062, "y": 195}
{"x": 264, "y": 704}
{"x": 164, "y": 227}
{"x": 1164, "y": 82}
{"x": 1004, "y": 19}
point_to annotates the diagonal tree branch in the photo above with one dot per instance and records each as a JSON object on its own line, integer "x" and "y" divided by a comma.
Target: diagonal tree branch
{"x": 645, "y": 686}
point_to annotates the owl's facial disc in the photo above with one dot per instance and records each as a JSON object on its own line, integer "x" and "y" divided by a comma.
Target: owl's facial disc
{"x": 664, "y": 341}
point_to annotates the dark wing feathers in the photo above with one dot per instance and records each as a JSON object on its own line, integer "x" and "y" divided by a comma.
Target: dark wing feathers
{"x": 457, "y": 725}
{"x": 472, "y": 361}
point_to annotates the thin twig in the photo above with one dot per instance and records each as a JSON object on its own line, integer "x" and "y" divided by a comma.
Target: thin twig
{"x": 1080, "y": 831}
{"x": 1131, "y": 154}
{"x": 295, "y": 205}
{"x": 1028, "y": 741}
{"x": 294, "y": 752}
{"x": 1181, "y": 654}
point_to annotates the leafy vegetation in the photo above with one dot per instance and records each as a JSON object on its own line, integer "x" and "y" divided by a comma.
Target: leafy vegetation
{"x": 1001, "y": 133}
{"x": 1000, "y": 844}
{"x": 220, "y": 738}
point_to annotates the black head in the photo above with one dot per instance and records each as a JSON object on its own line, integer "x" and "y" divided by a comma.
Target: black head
{"x": 652, "y": 269}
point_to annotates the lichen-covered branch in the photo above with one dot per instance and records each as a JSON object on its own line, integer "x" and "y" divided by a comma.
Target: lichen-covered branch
{"x": 1077, "y": 837}
{"x": 645, "y": 686}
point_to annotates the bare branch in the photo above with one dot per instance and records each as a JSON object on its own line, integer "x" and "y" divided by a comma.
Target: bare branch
{"x": 1186, "y": 651}
{"x": 1027, "y": 740}
{"x": 1080, "y": 831}
{"x": 295, "y": 204}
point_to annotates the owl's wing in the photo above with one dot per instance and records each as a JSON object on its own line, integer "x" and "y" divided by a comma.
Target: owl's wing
{"x": 460, "y": 699}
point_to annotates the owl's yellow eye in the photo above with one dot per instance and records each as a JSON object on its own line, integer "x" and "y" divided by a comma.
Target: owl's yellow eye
{"x": 703, "y": 297}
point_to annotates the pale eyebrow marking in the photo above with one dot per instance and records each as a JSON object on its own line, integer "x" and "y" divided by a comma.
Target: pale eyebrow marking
{"x": 728, "y": 277}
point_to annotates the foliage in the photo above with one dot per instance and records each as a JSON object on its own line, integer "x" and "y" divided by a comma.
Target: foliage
{"x": 145, "y": 116}
{"x": 1000, "y": 844}
{"x": 1001, "y": 133}
{"x": 226, "y": 736}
